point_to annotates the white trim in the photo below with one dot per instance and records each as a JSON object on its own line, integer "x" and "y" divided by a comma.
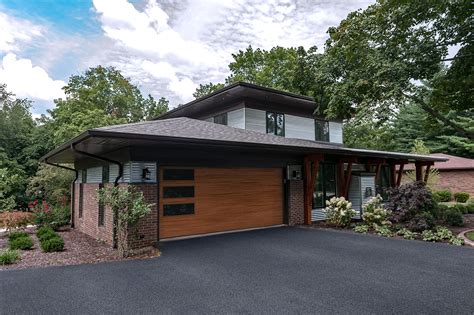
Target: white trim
{"x": 179, "y": 238}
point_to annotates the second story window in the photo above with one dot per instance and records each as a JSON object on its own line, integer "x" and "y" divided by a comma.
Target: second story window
{"x": 221, "y": 119}
{"x": 322, "y": 130}
{"x": 276, "y": 124}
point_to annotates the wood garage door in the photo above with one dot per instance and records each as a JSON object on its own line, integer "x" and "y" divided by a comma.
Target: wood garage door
{"x": 224, "y": 199}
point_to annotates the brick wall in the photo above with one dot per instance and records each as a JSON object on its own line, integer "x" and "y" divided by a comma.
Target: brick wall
{"x": 295, "y": 202}
{"x": 457, "y": 181}
{"x": 89, "y": 222}
{"x": 143, "y": 236}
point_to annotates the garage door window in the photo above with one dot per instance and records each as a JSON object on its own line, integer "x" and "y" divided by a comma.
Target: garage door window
{"x": 177, "y": 191}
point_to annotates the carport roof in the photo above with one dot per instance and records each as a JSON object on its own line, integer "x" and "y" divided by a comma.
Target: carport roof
{"x": 184, "y": 131}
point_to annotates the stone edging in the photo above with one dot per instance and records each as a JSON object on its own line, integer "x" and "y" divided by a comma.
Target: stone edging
{"x": 466, "y": 240}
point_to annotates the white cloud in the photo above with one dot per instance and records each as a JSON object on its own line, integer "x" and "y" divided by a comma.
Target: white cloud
{"x": 28, "y": 81}
{"x": 14, "y": 31}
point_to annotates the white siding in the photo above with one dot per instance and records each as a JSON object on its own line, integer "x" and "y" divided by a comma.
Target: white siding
{"x": 335, "y": 132}
{"x": 94, "y": 174}
{"x": 236, "y": 118}
{"x": 137, "y": 169}
{"x": 255, "y": 120}
{"x": 299, "y": 127}
{"x": 357, "y": 190}
{"x": 113, "y": 173}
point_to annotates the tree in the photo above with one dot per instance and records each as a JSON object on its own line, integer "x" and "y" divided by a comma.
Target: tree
{"x": 205, "y": 89}
{"x": 155, "y": 109}
{"x": 376, "y": 59}
{"x": 51, "y": 184}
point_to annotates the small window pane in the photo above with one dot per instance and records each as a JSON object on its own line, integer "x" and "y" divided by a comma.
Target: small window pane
{"x": 178, "y": 192}
{"x": 178, "y": 174}
{"x": 221, "y": 119}
{"x": 280, "y": 125}
{"x": 178, "y": 209}
{"x": 322, "y": 130}
{"x": 271, "y": 123}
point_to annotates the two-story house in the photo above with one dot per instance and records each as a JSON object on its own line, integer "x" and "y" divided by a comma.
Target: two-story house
{"x": 242, "y": 157}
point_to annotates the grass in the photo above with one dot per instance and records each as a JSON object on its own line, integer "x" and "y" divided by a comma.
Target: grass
{"x": 470, "y": 235}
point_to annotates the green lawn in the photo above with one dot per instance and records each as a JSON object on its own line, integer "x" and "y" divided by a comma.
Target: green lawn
{"x": 470, "y": 235}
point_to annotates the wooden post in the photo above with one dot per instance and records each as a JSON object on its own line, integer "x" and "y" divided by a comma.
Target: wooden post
{"x": 419, "y": 171}
{"x": 340, "y": 178}
{"x": 393, "y": 174}
{"x": 310, "y": 175}
{"x": 400, "y": 174}
{"x": 427, "y": 172}
{"x": 377, "y": 171}
{"x": 347, "y": 180}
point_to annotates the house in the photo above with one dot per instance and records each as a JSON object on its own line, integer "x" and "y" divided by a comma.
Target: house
{"x": 242, "y": 157}
{"x": 456, "y": 174}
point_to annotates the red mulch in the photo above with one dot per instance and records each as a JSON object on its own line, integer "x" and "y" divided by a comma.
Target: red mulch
{"x": 79, "y": 248}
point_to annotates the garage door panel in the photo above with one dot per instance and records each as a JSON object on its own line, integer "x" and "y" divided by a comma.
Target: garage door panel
{"x": 230, "y": 199}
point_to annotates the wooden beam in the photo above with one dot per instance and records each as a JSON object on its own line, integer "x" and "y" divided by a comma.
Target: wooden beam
{"x": 400, "y": 174}
{"x": 419, "y": 171}
{"x": 340, "y": 178}
{"x": 393, "y": 174}
{"x": 307, "y": 186}
{"x": 377, "y": 172}
{"x": 347, "y": 180}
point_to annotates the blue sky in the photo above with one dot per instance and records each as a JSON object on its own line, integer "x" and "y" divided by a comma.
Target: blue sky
{"x": 166, "y": 47}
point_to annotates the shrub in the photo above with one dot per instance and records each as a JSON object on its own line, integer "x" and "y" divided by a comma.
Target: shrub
{"x": 54, "y": 217}
{"x": 461, "y": 197}
{"x": 456, "y": 240}
{"x": 339, "y": 212}
{"x": 429, "y": 236}
{"x": 373, "y": 212}
{"x": 443, "y": 233}
{"x": 24, "y": 242}
{"x": 420, "y": 222}
{"x": 17, "y": 234}
{"x": 461, "y": 208}
{"x": 453, "y": 217}
{"x": 409, "y": 200}
{"x": 54, "y": 244}
{"x": 443, "y": 195}
{"x": 9, "y": 256}
{"x": 16, "y": 219}
{"x": 407, "y": 234}
{"x": 383, "y": 230}
{"x": 44, "y": 230}
{"x": 361, "y": 228}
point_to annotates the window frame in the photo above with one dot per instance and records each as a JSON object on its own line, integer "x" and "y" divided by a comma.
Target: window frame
{"x": 325, "y": 137}
{"x": 173, "y": 183}
{"x": 322, "y": 176}
{"x": 275, "y": 119}
{"x": 225, "y": 119}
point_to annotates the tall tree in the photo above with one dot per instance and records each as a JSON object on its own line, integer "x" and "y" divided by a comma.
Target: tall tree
{"x": 376, "y": 58}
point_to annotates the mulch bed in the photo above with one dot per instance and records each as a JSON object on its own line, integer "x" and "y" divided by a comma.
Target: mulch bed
{"x": 79, "y": 248}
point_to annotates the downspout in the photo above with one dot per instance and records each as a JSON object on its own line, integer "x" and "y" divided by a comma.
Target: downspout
{"x": 120, "y": 174}
{"x": 73, "y": 186}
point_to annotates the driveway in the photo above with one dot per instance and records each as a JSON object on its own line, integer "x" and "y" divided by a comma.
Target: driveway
{"x": 281, "y": 270}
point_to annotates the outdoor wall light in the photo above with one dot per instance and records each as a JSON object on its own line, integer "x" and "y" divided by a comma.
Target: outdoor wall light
{"x": 146, "y": 174}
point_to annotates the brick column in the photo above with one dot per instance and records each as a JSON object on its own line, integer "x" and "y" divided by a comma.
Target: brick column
{"x": 295, "y": 202}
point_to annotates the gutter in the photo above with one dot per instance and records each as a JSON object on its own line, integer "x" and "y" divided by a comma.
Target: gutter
{"x": 120, "y": 174}
{"x": 73, "y": 190}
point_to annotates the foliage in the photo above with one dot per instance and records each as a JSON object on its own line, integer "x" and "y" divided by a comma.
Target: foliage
{"x": 8, "y": 256}
{"x": 421, "y": 221}
{"x": 383, "y": 230}
{"x": 461, "y": 197}
{"x": 52, "y": 244}
{"x": 23, "y": 243}
{"x": 128, "y": 205}
{"x": 407, "y": 234}
{"x": 441, "y": 233}
{"x": 456, "y": 240}
{"x": 339, "y": 212}
{"x": 45, "y": 232}
{"x": 205, "y": 89}
{"x": 12, "y": 220}
{"x": 51, "y": 184}
{"x": 374, "y": 213}
{"x": 429, "y": 236}
{"x": 47, "y": 215}
{"x": 443, "y": 195}
{"x": 17, "y": 234}
{"x": 361, "y": 228}
{"x": 409, "y": 200}
{"x": 453, "y": 217}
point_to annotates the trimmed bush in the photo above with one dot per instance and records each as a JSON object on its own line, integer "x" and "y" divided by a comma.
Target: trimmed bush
{"x": 409, "y": 200}
{"x": 9, "y": 256}
{"x": 453, "y": 217}
{"x": 21, "y": 243}
{"x": 44, "y": 230}
{"x": 54, "y": 244}
{"x": 421, "y": 222}
{"x": 18, "y": 234}
{"x": 461, "y": 197}
{"x": 374, "y": 213}
{"x": 443, "y": 195}
{"x": 339, "y": 212}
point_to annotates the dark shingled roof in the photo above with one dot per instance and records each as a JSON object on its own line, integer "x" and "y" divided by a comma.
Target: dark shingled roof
{"x": 188, "y": 128}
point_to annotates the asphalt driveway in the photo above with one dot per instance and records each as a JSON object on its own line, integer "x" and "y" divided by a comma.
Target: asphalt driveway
{"x": 281, "y": 270}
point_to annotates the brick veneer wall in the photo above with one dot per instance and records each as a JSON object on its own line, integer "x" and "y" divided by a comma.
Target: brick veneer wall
{"x": 146, "y": 233}
{"x": 89, "y": 222}
{"x": 295, "y": 202}
{"x": 457, "y": 181}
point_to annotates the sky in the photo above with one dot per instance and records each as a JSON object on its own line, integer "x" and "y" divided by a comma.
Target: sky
{"x": 166, "y": 47}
